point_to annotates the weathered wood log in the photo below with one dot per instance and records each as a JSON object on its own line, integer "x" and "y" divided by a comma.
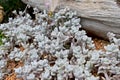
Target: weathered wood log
{"x": 97, "y": 16}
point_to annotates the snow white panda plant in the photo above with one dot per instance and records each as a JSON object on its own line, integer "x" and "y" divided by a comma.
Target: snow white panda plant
{"x": 54, "y": 48}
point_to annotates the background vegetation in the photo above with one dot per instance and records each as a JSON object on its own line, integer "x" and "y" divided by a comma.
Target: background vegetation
{"x": 10, "y": 5}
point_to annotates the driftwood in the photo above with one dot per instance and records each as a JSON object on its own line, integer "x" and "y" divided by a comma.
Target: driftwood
{"x": 97, "y": 16}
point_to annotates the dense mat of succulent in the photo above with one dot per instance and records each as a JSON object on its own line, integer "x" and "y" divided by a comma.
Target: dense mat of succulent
{"x": 55, "y": 47}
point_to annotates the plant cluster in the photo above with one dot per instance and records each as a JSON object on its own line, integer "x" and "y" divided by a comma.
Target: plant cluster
{"x": 56, "y": 48}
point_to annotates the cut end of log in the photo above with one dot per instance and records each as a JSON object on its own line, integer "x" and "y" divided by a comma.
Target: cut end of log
{"x": 1, "y": 14}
